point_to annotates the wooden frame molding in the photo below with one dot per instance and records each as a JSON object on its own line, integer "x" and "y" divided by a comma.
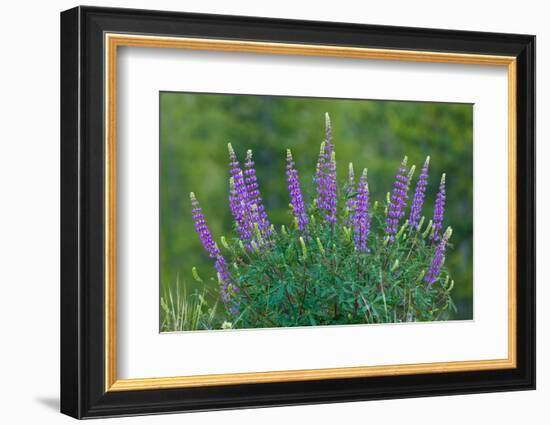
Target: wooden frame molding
{"x": 114, "y": 40}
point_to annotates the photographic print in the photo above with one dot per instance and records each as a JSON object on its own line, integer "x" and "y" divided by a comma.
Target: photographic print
{"x": 285, "y": 211}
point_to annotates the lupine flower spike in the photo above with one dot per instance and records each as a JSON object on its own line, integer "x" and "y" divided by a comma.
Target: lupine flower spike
{"x": 202, "y": 228}
{"x": 255, "y": 203}
{"x": 332, "y": 190}
{"x": 438, "y": 258}
{"x": 398, "y": 201}
{"x": 318, "y": 169}
{"x": 361, "y": 216}
{"x": 212, "y": 249}
{"x": 296, "y": 198}
{"x": 419, "y": 195}
{"x": 238, "y": 197}
{"x": 439, "y": 210}
{"x": 350, "y": 193}
{"x": 326, "y": 176}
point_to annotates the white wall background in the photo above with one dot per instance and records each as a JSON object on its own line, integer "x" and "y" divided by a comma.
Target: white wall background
{"x": 29, "y": 209}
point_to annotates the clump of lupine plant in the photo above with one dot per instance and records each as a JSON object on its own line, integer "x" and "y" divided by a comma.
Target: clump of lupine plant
{"x": 341, "y": 258}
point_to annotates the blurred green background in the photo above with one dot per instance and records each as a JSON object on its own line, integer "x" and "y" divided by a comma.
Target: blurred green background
{"x": 195, "y": 130}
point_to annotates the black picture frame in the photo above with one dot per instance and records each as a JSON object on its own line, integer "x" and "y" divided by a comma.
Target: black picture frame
{"x": 83, "y": 392}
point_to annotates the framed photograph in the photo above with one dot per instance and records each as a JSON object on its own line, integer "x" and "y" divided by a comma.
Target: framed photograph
{"x": 261, "y": 212}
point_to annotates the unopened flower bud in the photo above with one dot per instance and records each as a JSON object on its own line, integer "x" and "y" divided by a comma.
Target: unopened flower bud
{"x": 224, "y": 243}
{"x": 421, "y": 222}
{"x": 403, "y": 227}
{"x": 428, "y": 228}
{"x": 304, "y": 248}
{"x": 351, "y": 174}
{"x": 195, "y": 274}
{"x": 451, "y": 286}
{"x": 320, "y": 246}
{"x": 395, "y": 265}
{"x": 411, "y": 172}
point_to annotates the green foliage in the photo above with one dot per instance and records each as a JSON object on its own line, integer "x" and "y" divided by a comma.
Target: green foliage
{"x": 321, "y": 279}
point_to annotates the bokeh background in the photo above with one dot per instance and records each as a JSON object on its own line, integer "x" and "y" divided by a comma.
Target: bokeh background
{"x": 195, "y": 130}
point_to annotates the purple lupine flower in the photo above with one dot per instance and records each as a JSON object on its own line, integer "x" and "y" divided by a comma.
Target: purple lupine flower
{"x": 437, "y": 262}
{"x": 205, "y": 236}
{"x": 320, "y": 161}
{"x": 326, "y": 175}
{"x": 254, "y": 198}
{"x": 238, "y": 197}
{"x": 419, "y": 194}
{"x": 202, "y": 228}
{"x": 320, "y": 172}
{"x": 350, "y": 193}
{"x": 361, "y": 216}
{"x": 223, "y": 278}
{"x": 321, "y": 178}
{"x": 228, "y": 291}
{"x": 332, "y": 190}
{"x": 439, "y": 210}
{"x": 398, "y": 200}
{"x": 296, "y": 198}
{"x": 234, "y": 204}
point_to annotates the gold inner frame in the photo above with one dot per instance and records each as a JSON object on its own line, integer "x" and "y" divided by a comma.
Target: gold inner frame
{"x": 113, "y": 41}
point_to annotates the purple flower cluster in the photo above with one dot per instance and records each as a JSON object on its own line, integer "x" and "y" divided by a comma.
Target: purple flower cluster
{"x": 211, "y": 247}
{"x": 319, "y": 168}
{"x": 245, "y": 201}
{"x": 439, "y": 210}
{"x": 361, "y": 216}
{"x": 437, "y": 262}
{"x": 398, "y": 200}
{"x": 255, "y": 202}
{"x": 202, "y": 228}
{"x": 350, "y": 200}
{"x": 325, "y": 177}
{"x": 419, "y": 194}
{"x": 296, "y": 198}
{"x": 238, "y": 197}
